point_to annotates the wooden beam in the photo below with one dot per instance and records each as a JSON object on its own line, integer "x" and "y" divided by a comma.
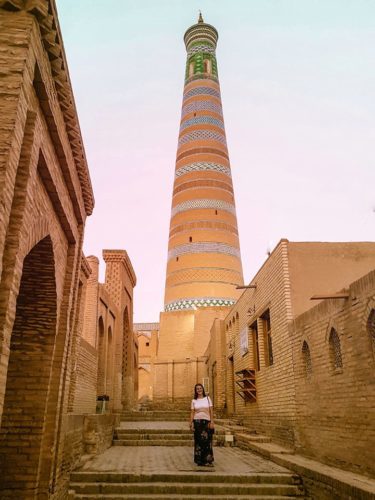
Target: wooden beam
{"x": 323, "y": 296}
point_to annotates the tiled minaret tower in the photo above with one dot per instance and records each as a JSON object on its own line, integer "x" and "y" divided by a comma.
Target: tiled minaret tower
{"x": 204, "y": 262}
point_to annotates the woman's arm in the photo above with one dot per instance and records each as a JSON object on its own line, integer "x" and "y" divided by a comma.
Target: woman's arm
{"x": 211, "y": 414}
{"x": 191, "y": 418}
{"x": 211, "y": 408}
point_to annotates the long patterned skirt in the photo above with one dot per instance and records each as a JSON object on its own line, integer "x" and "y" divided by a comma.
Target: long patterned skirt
{"x": 203, "y": 453}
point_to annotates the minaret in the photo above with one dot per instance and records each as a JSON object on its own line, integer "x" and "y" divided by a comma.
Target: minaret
{"x": 204, "y": 262}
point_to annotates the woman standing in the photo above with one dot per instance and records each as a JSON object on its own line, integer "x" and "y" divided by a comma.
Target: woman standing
{"x": 202, "y": 423}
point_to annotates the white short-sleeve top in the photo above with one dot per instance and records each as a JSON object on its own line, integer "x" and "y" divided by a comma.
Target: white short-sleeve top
{"x": 201, "y": 407}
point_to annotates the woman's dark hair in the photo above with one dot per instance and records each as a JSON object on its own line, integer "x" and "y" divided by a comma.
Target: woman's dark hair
{"x": 195, "y": 391}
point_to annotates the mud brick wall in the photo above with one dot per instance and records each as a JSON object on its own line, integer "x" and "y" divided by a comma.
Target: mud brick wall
{"x": 335, "y": 404}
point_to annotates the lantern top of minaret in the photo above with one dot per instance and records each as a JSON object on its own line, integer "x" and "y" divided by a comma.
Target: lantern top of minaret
{"x": 201, "y": 33}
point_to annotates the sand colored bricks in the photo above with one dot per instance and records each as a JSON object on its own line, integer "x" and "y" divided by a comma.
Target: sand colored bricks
{"x": 204, "y": 261}
{"x": 203, "y": 198}
{"x": 46, "y": 195}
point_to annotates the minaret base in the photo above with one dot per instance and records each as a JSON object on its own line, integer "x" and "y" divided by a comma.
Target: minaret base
{"x": 181, "y": 361}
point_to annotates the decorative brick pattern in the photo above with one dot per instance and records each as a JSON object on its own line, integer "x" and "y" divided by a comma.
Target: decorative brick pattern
{"x": 203, "y": 274}
{"x": 203, "y": 183}
{"x": 206, "y": 49}
{"x": 203, "y": 166}
{"x": 198, "y": 91}
{"x": 202, "y": 135}
{"x": 203, "y": 204}
{"x": 198, "y": 302}
{"x": 202, "y": 106}
{"x": 145, "y": 327}
{"x": 199, "y": 120}
{"x": 204, "y": 247}
{"x": 204, "y": 224}
{"x": 200, "y": 33}
{"x": 202, "y": 150}
{"x": 203, "y": 158}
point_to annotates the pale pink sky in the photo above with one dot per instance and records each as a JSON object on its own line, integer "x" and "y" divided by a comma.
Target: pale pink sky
{"x": 298, "y": 90}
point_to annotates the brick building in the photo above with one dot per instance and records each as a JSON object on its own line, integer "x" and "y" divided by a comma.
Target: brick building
{"x": 334, "y": 359}
{"x": 106, "y": 351}
{"x": 277, "y": 367}
{"x": 46, "y": 196}
{"x": 254, "y": 341}
{"x": 64, "y": 339}
{"x": 148, "y": 340}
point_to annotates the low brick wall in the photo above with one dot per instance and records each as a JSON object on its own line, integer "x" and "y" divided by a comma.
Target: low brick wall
{"x": 85, "y": 436}
{"x": 98, "y": 432}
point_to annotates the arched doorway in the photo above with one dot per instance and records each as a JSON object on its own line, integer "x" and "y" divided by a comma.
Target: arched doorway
{"x": 110, "y": 367}
{"x": 127, "y": 361}
{"x": 101, "y": 385}
{"x": 145, "y": 388}
{"x": 28, "y": 422}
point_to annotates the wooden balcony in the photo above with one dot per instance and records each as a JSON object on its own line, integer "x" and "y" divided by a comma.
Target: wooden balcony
{"x": 246, "y": 385}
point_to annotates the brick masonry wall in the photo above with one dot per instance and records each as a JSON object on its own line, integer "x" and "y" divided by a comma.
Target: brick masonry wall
{"x": 273, "y": 412}
{"x": 175, "y": 380}
{"x": 86, "y": 385}
{"x": 281, "y": 290}
{"x": 216, "y": 364}
{"x": 335, "y": 405}
{"x": 42, "y": 218}
{"x": 120, "y": 280}
{"x": 83, "y": 435}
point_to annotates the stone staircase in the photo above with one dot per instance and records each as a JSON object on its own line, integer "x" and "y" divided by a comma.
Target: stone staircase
{"x": 152, "y": 437}
{"x": 184, "y": 486}
{"x": 151, "y": 459}
{"x": 142, "y": 436}
{"x": 155, "y": 416}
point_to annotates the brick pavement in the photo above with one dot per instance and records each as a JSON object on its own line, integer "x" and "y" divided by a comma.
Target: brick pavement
{"x": 169, "y": 459}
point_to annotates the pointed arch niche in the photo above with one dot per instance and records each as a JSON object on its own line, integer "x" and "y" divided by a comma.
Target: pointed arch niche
{"x": 27, "y": 417}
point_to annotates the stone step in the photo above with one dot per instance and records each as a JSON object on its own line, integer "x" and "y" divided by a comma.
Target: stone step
{"x": 151, "y": 435}
{"x": 185, "y": 486}
{"x": 189, "y": 477}
{"x": 187, "y": 489}
{"x": 152, "y": 442}
{"x": 122, "y": 432}
{"x": 156, "y": 412}
{"x": 181, "y": 497}
{"x": 151, "y": 418}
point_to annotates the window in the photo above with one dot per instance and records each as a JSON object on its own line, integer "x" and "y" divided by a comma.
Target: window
{"x": 147, "y": 344}
{"x": 306, "y": 356}
{"x": 371, "y": 329}
{"x": 190, "y": 239}
{"x": 191, "y": 69}
{"x": 335, "y": 350}
{"x": 207, "y": 66}
{"x": 254, "y": 334}
{"x": 244, "y": 341}
{"x": 176, "y": 259}
{"x": 215, "y": 212}
{"x": 267, "y": 339}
